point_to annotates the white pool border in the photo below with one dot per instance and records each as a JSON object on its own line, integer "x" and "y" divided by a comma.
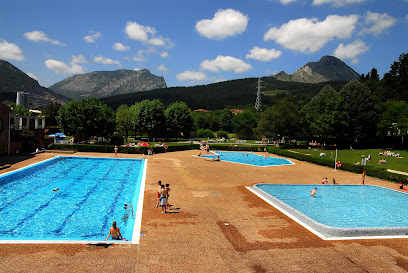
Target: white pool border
{"x": 269, "y": 199}
{"x": 288, "y": 164}
{"x": 138, "y": 219}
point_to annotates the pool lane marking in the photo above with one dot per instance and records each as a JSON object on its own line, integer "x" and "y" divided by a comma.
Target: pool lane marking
{"x": 35, "y": 212}
{"x": 27, "y": 193}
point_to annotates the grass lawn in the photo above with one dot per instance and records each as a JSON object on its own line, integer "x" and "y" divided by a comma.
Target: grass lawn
{"x": 354, "y": 156}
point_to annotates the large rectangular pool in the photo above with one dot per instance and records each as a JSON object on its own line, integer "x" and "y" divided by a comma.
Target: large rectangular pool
{"x": 72, "y": 199}
{"x": 341, "y": 211}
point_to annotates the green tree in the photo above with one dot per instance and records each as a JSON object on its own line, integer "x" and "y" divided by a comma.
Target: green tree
{"x": 88, "y": 117}
{"x": 179, "y": 118}
{"x": 225, "y": 118}
{"x": 149, "y": 117}
{"x": 324, "y": 115}
{"x": 395, "y": 82}
{"x": 281, "y": 119}
{"x": 360, "y": 112}
{"x": 244, "y": 124}
{"x": 124, "y": 119}
{"x": 394, "y": 119}
{"x": 51, "y": 113}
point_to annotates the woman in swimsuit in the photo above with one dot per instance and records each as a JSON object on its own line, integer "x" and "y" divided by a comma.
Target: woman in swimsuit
{"x": 115, "y": 232}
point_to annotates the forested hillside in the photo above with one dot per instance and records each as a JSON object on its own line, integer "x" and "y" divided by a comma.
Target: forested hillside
{"x": 220, "y": 95}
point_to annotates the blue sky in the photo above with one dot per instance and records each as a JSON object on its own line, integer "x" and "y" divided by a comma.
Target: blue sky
{"x": 199, "y": 42}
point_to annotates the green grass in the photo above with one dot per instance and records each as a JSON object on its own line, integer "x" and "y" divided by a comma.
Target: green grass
{"x": 354, "y": 156}
{"x": 274, "y": 92}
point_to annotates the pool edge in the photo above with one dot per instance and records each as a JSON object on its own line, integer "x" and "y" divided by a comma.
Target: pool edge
{"x": 312, "y": 225}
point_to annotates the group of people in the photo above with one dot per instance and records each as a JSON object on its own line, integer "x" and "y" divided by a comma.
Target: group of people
{"x": 163, "y": 196}
{"x": 326, "y": 181}
{"x": 389, "y": 153}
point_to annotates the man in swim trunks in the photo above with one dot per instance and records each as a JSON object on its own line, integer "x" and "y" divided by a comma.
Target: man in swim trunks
{"x": 163, "y": 198}
{"x": 313, "y": 192}
{"x": 158, "y": 194}
{"x": 115, "y": 232}
{"x": 168, "y": 195}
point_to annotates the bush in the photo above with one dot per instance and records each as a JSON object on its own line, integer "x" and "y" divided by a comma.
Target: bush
{"x": 204, "y": 133}
{"x": 117, "y": 139}
{"x": 222, "y": 134}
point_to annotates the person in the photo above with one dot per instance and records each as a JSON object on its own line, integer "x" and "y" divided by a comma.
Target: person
{"x": 217, "y": 159}
{"x": 363, "y": 177}
{"x": 334, "y": 181}
{"x": 401, "y": 185}
{"x": 55, "y": 190}
{"x": 115, "y": 232}
{"x": 158, "y": 193}
{"x": 167, "y": 196}
{"x": 313, "y": 192}
{"x": 163, "y": 198}
{"x": 199, "y": 153}
{"x": 116, "y": 151}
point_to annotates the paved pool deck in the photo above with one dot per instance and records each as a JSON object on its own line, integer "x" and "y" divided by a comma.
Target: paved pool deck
{"x": 218, "y": 226}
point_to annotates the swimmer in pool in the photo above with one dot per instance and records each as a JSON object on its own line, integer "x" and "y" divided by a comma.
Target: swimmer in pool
{"x": 313, "y": 192}
{"x": 55, "y": 190}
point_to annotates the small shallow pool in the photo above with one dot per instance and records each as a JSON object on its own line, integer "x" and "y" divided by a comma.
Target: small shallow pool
{"x": 249, "y": 159}
{"x": 91, "y": 195}
{"x": 340, "y": 211}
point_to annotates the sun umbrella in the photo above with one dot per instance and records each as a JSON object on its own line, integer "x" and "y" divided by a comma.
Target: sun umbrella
{"x": 144, "y": 144}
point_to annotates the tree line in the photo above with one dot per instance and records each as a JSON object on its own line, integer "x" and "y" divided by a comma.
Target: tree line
{"x": 369, "y": 110}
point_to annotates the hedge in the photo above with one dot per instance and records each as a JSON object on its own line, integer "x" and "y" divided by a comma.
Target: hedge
{"x": 121, "y": 149}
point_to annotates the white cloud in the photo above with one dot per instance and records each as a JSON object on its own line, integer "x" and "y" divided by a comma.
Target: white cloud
{"x": 310, "y": 35}
{"x": 10, "y": 51}
{"x": 164, "y": 54}
{"x": 337, "y": 3}
{"x": 146, "y": 34}
{"x": 104, "y": 60}
{"x": 191, "y": 76}
{"x": 138, "y": 32}
{"x": 225, "y": 63}
{"x": 162, "y": 68}
{"x": 263, "y": 54}
{"x": 285, "y": 2}
{"x": 61, "y": 68}
{"x": 120, "y": 47}
{"x": 351, "y": 51}
{"x": 31, "y": 75}
{"x": 225, "y": 23}
{"x": 39, "y": 36}
{"x": 376, "y": 23}
{"x": 91, "y": 38}
{"x": 79, "y": 59}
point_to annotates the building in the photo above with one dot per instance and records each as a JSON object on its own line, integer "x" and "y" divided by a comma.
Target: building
{"x": 4, "y": 128}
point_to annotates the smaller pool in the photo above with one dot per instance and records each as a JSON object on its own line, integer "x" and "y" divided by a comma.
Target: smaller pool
{"x": 249, "y": 159}
{"x": 340, "y": 211}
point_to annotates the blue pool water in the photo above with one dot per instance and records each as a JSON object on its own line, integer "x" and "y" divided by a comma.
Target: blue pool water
{"x": 249, "y": 159}
{"x": 92, "y": 192}
{"x": 345, "y": 206}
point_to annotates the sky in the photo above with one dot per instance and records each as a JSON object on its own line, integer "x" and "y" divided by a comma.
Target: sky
{"x": 199, "y": 42}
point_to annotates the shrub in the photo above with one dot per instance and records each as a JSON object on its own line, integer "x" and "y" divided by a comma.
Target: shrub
{"x": 204, "y": 133}
{"x": 117, "y": 139}
{"x": 222, "y": 134}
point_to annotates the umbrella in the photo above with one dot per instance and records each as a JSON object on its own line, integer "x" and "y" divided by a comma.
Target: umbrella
{"x": 144, "y": 144}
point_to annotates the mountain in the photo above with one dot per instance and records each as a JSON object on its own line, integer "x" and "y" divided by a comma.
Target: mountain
{"x": 13, "y": 79}
{"x": 101, "y": 84}
{"x": 329, "y": 68}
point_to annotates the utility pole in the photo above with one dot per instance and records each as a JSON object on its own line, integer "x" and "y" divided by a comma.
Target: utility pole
{"x": 258, "y": 96}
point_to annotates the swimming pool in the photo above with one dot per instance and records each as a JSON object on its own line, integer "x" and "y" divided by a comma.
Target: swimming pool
{"x": 249, "y": 159}
{"x": 91, "y": 195}
{"x": 341, "y": 211}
